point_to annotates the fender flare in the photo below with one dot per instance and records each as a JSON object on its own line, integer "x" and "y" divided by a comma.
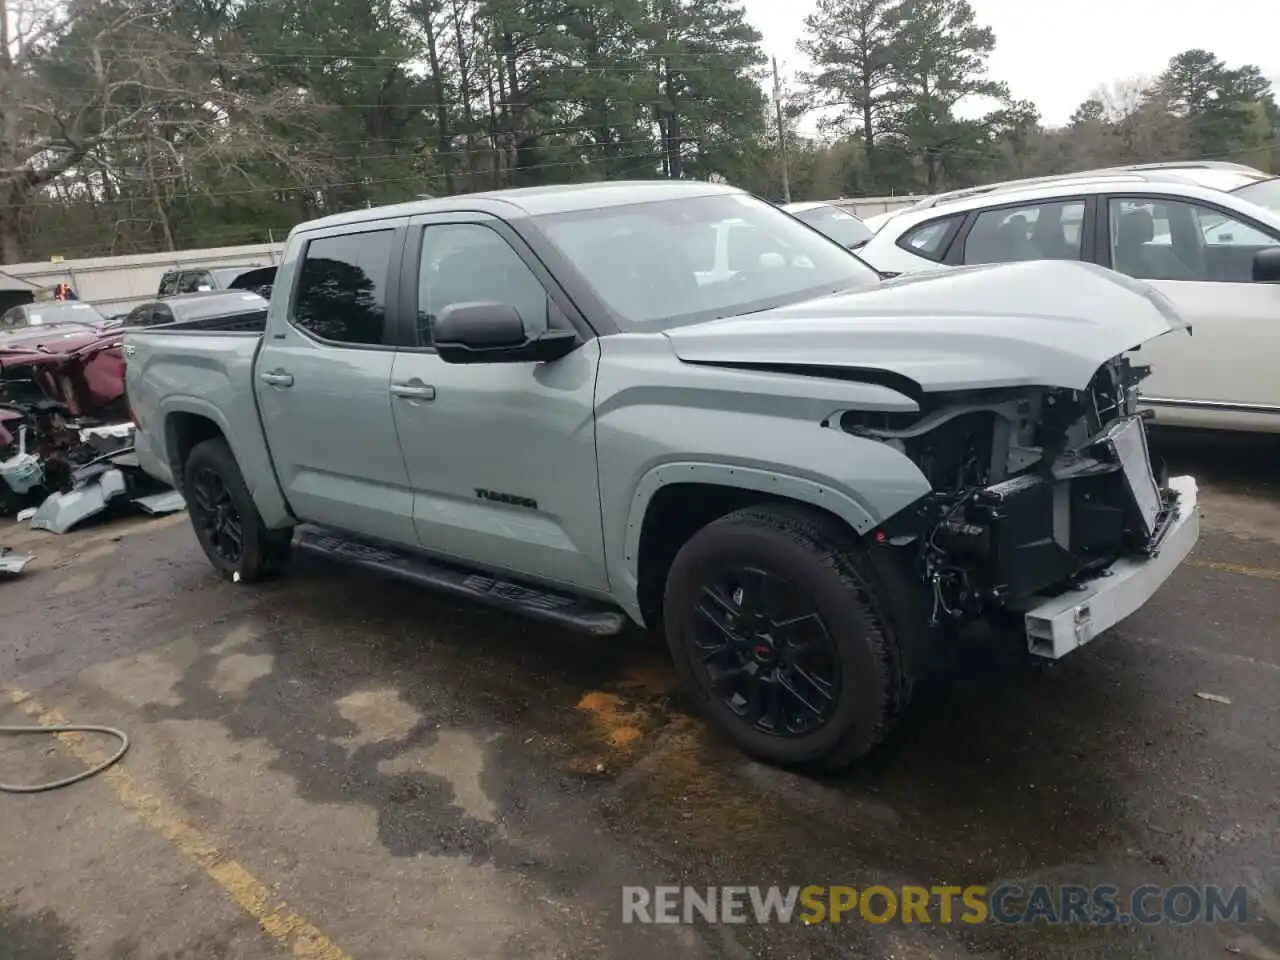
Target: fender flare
{"x": 743, "y": 478}
{"x": 196, "y": 407}
{"x": 268, "y": 497}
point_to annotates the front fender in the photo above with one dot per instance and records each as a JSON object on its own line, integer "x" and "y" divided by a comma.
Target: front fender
{"x": 659, "y": 423}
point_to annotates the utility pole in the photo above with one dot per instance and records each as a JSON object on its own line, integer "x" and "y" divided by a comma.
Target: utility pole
{"x": 782, "y": 134}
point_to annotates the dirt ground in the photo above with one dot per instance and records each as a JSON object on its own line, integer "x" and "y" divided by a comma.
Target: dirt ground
{"x": 339, "y": 767}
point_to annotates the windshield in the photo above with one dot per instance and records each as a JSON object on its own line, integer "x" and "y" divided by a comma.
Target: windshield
{"x": 1265, "y": 193}
{"x": 844, "y": 228}
{"x": 47, "y": 312}
{"x": 670, "y": 262}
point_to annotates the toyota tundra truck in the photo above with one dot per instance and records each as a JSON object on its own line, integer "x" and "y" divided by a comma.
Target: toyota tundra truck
{"x": 809, "y": 478}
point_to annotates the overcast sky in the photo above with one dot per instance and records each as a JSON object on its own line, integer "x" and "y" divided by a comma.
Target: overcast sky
{"x": 1055, "y": 58}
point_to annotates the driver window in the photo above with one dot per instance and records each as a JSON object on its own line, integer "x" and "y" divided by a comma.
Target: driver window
{"x": 1175, "y": 240}
{"x": 468, "y": 262}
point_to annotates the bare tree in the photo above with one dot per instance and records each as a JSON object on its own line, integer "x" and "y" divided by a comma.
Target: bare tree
{"x": 97, "y": 87}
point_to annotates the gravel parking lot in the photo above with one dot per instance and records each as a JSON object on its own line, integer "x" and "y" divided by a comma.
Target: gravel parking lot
{"x": 343, "y": 768}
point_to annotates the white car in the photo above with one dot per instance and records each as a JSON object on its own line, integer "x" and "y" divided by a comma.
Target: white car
{"x": 832, "y": 221}
{"x": 1213, "y": 254}
{"x": 1218, "y": 174}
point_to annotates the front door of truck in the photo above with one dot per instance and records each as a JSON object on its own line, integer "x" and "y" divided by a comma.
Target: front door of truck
{"x": 501, "y": 456}
{"x": 321, "y": 381}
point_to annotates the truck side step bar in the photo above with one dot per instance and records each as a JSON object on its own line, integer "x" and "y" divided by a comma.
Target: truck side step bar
{"x": 572, "y": 613}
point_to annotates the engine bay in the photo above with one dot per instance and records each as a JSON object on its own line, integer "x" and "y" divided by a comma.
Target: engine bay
{"x": 1035, "y": 490}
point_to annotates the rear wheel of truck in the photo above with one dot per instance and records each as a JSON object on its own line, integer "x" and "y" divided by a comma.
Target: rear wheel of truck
{"x": 227, "y": 524}
{"x": 788, "y": 634}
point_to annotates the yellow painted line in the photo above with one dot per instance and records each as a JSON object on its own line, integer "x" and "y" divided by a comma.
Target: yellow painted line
{"x": 1263, "y": 573}
{"x": 297, "y": 936}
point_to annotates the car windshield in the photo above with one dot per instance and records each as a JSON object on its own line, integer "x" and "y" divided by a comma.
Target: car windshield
{"x": 670, "y": 262}
{"x": 51, "y": 312}
{"x": 1265, "y": 193}
{"x": 842, "y": 227}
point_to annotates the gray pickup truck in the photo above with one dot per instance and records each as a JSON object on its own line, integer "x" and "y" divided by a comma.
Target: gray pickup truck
{"x": 673, "y": 405}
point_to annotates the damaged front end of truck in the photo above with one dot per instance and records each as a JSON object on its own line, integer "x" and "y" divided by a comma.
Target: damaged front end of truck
{"x": 1036, "y": 494}
{"x": 1017, "y": 403}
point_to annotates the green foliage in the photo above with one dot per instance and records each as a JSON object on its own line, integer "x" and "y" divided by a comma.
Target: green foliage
{"x": 132, "y": 125}
{"x": 212, "y": 123}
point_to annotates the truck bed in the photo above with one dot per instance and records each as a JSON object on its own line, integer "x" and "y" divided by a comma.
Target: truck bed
{"x": 173, "y": 370}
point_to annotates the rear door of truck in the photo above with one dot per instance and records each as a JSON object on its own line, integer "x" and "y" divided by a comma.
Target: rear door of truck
{"x": 322, "y": 381}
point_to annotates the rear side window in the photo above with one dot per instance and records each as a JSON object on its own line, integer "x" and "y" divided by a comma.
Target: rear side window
{"x": 929, "y": 240}
{"x": 342, "y": 287}
{"x": 1037, "y": 231}
{"x": 140, "y": 316}
{"x": 168, "y": 285}
{"x": 195, "y": 280}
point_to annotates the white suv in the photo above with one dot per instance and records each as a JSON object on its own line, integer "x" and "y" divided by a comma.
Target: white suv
{"x": 1215, "y": 255}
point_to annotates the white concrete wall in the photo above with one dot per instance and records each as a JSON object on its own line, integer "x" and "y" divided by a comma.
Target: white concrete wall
{"x": 863, "y": 207}
{"x": 114, "y": 284}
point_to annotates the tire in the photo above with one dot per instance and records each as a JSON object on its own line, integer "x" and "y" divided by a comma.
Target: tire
{"x": 215, "y": 492}
{"x": 864, "y": 609}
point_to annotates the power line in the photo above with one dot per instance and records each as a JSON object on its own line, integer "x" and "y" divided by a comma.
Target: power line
{"x": 295, "y": 189}
{"x": 626, "y": 61}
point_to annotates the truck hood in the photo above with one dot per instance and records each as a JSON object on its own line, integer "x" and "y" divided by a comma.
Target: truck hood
{"x": 1039, "y": 323}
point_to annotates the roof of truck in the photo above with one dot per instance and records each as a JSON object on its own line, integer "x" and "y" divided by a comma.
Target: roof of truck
{"x": 533, "y": 201}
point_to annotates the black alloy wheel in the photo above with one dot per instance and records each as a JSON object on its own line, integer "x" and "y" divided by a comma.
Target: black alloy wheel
{"x": 791, "y": 634}
{"x": 226, "y": 520}
{"x": 765, "y": 651}
{"x": 215, "y": 513}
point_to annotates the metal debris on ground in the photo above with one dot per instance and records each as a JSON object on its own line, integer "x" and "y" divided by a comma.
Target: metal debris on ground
{"x": 12, "y": 564}
{"x": 56, "y": 472}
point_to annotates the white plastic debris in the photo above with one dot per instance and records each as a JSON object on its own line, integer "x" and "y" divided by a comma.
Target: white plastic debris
{"x": 1214, "y": 698}
{"x": 12, "y": 564}
{"x": 62, "y": 511}
{"x": 23, "y": 471}
{"x": 170, "y": 501}
{"x": 118, "y": 430}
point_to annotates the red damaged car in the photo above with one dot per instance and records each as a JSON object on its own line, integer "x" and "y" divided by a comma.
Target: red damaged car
{"x": 55, "y": 379}
{"x": 77, "y": 365}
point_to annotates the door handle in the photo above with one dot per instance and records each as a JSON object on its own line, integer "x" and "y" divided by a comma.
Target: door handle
{"x": 277, "y": 378}
{"x": 413, "y": 390}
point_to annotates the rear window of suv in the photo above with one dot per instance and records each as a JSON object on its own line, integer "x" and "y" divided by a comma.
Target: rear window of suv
{"x": 930, "y": 240}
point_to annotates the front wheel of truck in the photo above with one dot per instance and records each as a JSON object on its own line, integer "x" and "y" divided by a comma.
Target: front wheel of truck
{"x": 790, "y": 635}
{"x": 226, "y": 521}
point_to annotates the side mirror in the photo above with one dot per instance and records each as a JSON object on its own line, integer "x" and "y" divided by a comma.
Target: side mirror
{"x": 1266, "y": 265}
{"x": 491, "y": 332}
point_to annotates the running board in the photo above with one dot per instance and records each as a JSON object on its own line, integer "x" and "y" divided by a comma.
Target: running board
{"x": 572, "y": 613}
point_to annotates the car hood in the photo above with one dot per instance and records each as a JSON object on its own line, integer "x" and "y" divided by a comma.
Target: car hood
{"x": 1041, "y": 323}
{"x": 56, "y": 345}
